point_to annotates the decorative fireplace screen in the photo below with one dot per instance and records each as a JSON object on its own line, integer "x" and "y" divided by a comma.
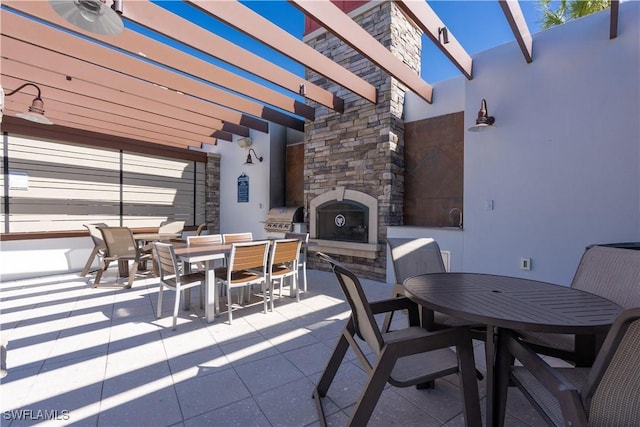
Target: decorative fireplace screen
{"x": 344, "y": 220}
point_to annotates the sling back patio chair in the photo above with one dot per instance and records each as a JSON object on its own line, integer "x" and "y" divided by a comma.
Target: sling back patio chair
{"x": 610, "y": 272}
{"x": 202, "y": 228}
{"x": 99, "y": 247}
{"x": 120, "y": 247}
{"x": 247, "y": 266}
{"x": 172, "y": 279}
{"x": 402, "y": 358}
{"x": 415, "y": 256}
{"x": 171, "y": 227}
{"x": 283, "y": 263}
{"x": 607, "y": 394}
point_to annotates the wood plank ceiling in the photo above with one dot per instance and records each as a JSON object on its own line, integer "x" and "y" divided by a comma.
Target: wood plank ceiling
{"x": 132, "y": 87}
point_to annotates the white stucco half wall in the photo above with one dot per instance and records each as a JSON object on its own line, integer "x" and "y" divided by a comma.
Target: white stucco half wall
{"x": 562, "y": 165}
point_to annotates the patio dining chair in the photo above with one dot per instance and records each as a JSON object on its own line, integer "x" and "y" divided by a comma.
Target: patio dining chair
{"x": 212, "y": 239}
{"x": 402, "y": 358}
{"x": 610, "y": 272}
{"x": 172, "y": 279}
{"x": 202, "y": 228}
{"x": 283, "y": 263}
{"x": 302, "y": 259}
{"x": 237, "y": 237}
{"x": 415, "y": 256}
{"x": 121, "y": 247}
{"x": 171, "y": 227}
{"x": 247, "y": 266}
{"x": 99, "y": 247}
{"x": 607, "y": 394}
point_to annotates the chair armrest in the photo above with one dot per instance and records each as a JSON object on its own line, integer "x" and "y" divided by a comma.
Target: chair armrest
{"x": 561, "y": 388}
{"x": 392, "y": 304}
{"x": 395, "y": 304}
{"x": 428, "y": 340}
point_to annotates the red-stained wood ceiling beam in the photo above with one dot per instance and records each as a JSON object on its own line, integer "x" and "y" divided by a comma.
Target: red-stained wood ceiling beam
{"x": 430, "y": 24}
{"x": 36, "y": 64}
{"x": 55, "y": 132}
{"x": 244, "y": 19}
{"x": 89, "y": 51}
{"x": 86, "y": 119}
{"x": 515, "y": 17}
{"x": 156, "y": 18}
{"x": 613, "y": 21}
{"x": 347, "y": 30}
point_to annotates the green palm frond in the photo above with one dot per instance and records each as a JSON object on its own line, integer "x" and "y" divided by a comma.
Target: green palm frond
{"x": 558, "y": 12}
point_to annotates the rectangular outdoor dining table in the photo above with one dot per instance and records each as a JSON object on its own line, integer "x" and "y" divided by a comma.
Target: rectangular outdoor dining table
{"x": 152, "y": 237}
{"x": 510, "y": 303}
{"x": 206, "y": 253}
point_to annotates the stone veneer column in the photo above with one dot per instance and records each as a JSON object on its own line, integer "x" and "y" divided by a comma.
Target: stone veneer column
{"x": 212, "y": 193}
{"x": 362, "y": 149}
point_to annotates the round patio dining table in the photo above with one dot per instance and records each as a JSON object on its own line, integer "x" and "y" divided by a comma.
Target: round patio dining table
{"x": 510, "y": 303}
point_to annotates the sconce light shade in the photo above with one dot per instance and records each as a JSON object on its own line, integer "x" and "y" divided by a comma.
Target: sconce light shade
{"x": 245, "y": 142}
{"x": 250, "y": 160}
{"x": 91, "y": 15}
{"x": 484, "y": 121}
{"x": 36, "y": 110}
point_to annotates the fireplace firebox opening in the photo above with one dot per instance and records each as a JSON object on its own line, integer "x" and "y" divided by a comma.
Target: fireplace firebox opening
{"x": 345, "y": 220}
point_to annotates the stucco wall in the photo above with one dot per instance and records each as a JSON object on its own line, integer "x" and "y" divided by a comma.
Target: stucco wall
{"x": 562, "y": 165}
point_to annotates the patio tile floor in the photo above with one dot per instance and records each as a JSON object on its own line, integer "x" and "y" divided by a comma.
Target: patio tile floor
{"x": 99, "y": 357}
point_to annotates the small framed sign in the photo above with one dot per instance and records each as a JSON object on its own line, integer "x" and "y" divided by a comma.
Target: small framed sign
{"x": 18, "y": 180}
{"x": 243, "y": 188}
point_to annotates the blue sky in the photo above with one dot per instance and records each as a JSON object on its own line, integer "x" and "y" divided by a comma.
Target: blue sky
{"x": 477, "y": 24}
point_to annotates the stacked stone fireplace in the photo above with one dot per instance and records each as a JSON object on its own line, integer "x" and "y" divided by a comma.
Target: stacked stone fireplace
{"x": 354, "y": 160}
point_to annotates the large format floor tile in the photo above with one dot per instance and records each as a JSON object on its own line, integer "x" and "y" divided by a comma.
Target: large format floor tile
{"x": 99, "y": 357}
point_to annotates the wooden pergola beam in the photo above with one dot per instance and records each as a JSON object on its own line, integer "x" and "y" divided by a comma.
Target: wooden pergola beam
{"x": 156, "y": 18}
{"x": 89, "y": 51}
{"x": 72, "y": 134}
{"x": 102, "y": 100}
{"x": 515, "y": 17}
{"x": 247, "y": 21}
{"x": 613, "y": 22}
{"x": 346, "y": 29}
{"x": 114, "y": 90}
{"x": 428, "y": 21}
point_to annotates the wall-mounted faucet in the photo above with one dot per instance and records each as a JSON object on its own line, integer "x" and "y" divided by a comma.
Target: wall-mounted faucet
{"x": 452, "y": 212}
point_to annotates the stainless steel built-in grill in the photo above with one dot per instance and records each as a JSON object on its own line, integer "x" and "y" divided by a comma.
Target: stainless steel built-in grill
{"x": 282, "y": 219}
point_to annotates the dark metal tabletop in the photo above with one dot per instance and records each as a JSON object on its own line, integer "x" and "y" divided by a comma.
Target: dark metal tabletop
{"x": 512, "y": 302}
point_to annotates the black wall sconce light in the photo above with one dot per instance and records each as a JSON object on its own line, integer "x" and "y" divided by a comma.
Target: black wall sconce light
{"x": 484, "y": 120}
{"x": 91, "y": 15}
{"x": 443, "y": 35}
{"x": 36, "y": 109}
{"x": 250, "y": 160}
